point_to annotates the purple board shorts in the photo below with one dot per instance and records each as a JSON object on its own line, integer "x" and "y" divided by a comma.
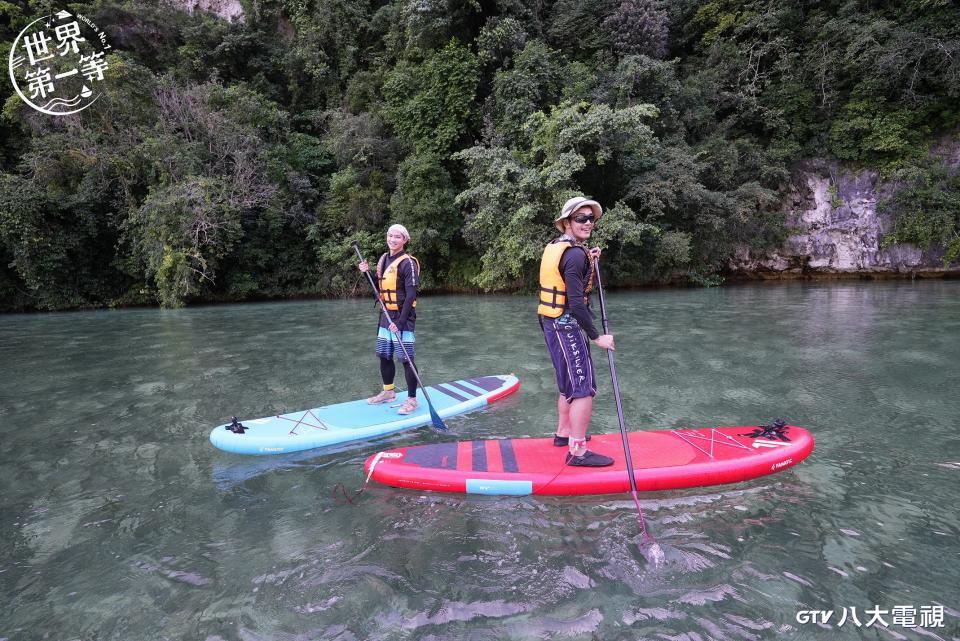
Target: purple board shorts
{"x": 570, "y": 353}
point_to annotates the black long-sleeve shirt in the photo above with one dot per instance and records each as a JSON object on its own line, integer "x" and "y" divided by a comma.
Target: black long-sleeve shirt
{"x": 575, "y": 270}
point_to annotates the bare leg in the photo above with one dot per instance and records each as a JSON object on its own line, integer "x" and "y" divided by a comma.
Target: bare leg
{"x": 581, "y": 409}
{"x": 563, "y": 411}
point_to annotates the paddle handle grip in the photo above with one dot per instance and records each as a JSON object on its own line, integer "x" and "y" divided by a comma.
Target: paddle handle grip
{"x": 356, "y": 248}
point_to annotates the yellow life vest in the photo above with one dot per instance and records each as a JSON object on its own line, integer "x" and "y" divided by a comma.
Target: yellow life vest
{"x": 553, "y": 291}
{"x": 392, "y": 297}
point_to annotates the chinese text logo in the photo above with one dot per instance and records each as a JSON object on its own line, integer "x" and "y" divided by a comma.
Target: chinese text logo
{"x": 57, "y": 63}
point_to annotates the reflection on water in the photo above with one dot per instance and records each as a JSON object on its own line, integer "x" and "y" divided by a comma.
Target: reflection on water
{"x": 119, "y": 521}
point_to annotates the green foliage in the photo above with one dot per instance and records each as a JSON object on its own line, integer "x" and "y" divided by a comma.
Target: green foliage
{"x": 424, "y": 202}
{"x": 835, "y": 200}
{"x": 927, "y": 212}
{"x": 321, "y": 49}
{"x": 354, "y": 200}
{"x": 718, "y": 18}
{"x": 622, "y": 227}
{"x": 429, "y": 24}
{"x": 594, "y": 132}
{"x": 639, "y": 78}
{"x": 673, "y": 250}
{"x": 869, "y": 132}
{"x": 431, "y": 105}
{"x": 639, "y": 26}
{"x": 183, "y": 231}
{"x": 705, "y": 279}
{"x": 233, "y": 160}
{"x": 499, "y": 39}
{"x": 337, "y": 272}
{"x": 41, "y": 243}
{"x": 533, "y": 83}
{"x": 513, "y": 195}
{"x": 508, "y": 207}
{"x": 629, "y": 243}
{"x": 575, "y": 26}
{"x": 359, "y": 140}
{"x": 53, "y": 225}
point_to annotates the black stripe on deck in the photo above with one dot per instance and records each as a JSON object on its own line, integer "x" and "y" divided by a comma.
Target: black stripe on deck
{"x": 450, "y": 393}
{"x": 464, "y": 388}
{"x": 508, "y": 455}
{"x": 488, "y": 383}
{"x": 479, "y": 455}
{"x": 440, "y": 456}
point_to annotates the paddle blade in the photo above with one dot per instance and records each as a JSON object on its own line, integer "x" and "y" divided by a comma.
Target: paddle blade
{"x": 437, "y": 421}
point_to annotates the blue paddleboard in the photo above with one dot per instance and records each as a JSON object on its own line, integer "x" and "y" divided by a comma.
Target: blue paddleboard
{"x": 356, "y": 420}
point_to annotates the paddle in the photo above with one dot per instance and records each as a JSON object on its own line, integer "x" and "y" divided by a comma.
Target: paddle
{"x": 437, "y": 421}
{"x": 616, "y": 395}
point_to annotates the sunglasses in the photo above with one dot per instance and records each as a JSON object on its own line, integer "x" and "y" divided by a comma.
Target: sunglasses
{"x": 584, "y": 218}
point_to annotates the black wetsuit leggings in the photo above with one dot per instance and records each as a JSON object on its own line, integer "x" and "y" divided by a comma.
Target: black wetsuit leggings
{"x": 388, "y": 370}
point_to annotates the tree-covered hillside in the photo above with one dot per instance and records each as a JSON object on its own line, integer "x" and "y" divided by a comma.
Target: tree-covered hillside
{"x": 238, "y": 160}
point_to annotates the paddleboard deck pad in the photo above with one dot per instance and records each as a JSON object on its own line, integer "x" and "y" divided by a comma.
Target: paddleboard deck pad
{"x": 357, "y": 420}
{"x": 662, "y": 460}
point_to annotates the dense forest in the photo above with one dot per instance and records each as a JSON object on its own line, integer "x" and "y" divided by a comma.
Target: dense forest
{"x": 234, "y": 160}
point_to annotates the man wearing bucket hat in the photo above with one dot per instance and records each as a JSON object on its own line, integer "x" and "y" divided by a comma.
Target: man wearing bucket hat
{"x": 398, "y": 274}
{"x": 566, "y": 279}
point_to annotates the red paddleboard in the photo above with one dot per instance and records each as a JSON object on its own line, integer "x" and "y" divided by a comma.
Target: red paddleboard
{"x": 662, "y": 460}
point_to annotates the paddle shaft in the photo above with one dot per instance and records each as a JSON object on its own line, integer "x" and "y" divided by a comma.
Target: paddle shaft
{"x": 616, "y": 384}
{"x": 383, "y": 308}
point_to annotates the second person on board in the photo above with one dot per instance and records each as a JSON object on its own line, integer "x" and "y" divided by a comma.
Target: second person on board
{"x": 398, "y": 275}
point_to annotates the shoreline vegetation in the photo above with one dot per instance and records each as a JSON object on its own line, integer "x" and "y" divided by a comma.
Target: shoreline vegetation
{"x": 741, "y": 278}
{"x": 233, "y": 160}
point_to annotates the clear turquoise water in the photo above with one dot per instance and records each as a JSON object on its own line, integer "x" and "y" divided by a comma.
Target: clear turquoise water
{"x": 119, "y": 521}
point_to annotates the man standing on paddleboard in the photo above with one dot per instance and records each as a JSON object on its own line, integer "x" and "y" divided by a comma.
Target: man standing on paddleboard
{"x": 566, "y": 279}
{"x": 398, "y": 274}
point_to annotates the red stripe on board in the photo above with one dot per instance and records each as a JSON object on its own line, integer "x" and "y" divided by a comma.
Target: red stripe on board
{"x": 465, "y": 456}
{"x": 494, "y": 458}
{"x": 502, "y": 393}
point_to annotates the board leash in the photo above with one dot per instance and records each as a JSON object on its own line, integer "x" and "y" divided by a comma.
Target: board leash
{"x": 350, "y": 497}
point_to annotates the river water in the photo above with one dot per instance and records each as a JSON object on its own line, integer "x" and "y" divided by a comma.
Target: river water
{"x": 118, "y": 519}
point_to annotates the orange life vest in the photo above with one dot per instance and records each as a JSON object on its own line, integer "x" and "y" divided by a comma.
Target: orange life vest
{"x": 391, "y": 296}
{"x": 553, "y": 290}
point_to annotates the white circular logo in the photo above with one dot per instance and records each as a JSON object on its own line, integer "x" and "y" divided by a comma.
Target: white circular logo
{"x": 57, "y": 63}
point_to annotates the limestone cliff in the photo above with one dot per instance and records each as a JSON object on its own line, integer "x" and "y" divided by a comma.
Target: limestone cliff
{"x": 226, "y": 9}
{"x": 837, "y": 230}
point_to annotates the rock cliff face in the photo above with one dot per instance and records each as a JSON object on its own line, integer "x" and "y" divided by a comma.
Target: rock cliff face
{"x": 226, "y": 9}
{"x": 837, "y": 231}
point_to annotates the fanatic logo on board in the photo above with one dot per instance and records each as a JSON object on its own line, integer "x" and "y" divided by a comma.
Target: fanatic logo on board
{"x": 57, "y": 63}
